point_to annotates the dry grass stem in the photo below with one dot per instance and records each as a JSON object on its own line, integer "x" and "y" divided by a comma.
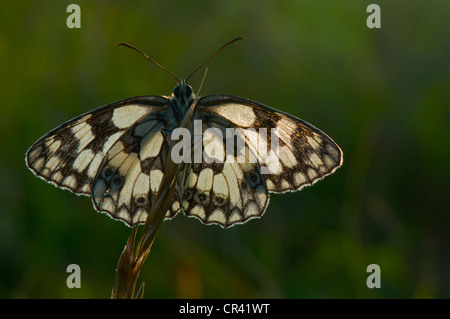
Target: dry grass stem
{"x": 136, "y": 251}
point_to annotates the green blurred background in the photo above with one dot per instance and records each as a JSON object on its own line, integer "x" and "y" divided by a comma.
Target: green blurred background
{"x": 382, "y": 94}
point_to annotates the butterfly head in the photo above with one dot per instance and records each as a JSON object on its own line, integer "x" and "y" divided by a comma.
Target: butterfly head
{"x": 181, "y": 99}
{"x": 183, "y": 92}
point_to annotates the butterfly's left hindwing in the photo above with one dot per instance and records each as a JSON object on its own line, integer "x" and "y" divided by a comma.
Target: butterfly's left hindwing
{"x": 132, "y": 170}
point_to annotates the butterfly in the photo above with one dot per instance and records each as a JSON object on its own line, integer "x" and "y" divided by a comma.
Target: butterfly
{"x": 116, "y": 154}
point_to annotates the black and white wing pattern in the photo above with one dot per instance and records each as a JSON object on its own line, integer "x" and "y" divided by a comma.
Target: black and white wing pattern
{"x": 115, "y": 154}
{"x": 306, "y": 154}
{"x": 230, "y": 191}
{"x": 221, "y": 189}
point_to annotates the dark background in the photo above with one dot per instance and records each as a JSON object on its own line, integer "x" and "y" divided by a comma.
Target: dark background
{"x": 382, "y": 94}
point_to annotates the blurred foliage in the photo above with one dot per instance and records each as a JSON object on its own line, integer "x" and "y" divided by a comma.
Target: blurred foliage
{"x": 383, "y": 95}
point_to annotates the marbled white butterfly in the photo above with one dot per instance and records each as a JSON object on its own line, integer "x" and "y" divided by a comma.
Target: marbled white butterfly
{"x": 116, "y": 155}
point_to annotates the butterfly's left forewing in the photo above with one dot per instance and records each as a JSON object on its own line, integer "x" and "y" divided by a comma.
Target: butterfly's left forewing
{"x": 71, "y": 155}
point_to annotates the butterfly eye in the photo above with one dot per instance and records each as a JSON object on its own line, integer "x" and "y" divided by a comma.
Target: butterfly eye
{"x": 188, "y": 90}
{"x": 176, "y": 91}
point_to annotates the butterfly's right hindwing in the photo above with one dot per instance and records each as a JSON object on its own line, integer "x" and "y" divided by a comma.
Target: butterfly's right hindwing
{"x": 220, "y": 189}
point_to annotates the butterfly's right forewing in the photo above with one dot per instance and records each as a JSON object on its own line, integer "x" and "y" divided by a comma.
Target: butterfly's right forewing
{"x": 304, "y": 154}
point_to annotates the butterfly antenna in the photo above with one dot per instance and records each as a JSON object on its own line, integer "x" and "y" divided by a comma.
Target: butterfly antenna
{"x": 149, "y": 58}
{"x": 212, "y": 56}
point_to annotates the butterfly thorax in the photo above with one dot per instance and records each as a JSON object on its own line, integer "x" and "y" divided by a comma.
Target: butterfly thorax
{"x": 181, "y": 100}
